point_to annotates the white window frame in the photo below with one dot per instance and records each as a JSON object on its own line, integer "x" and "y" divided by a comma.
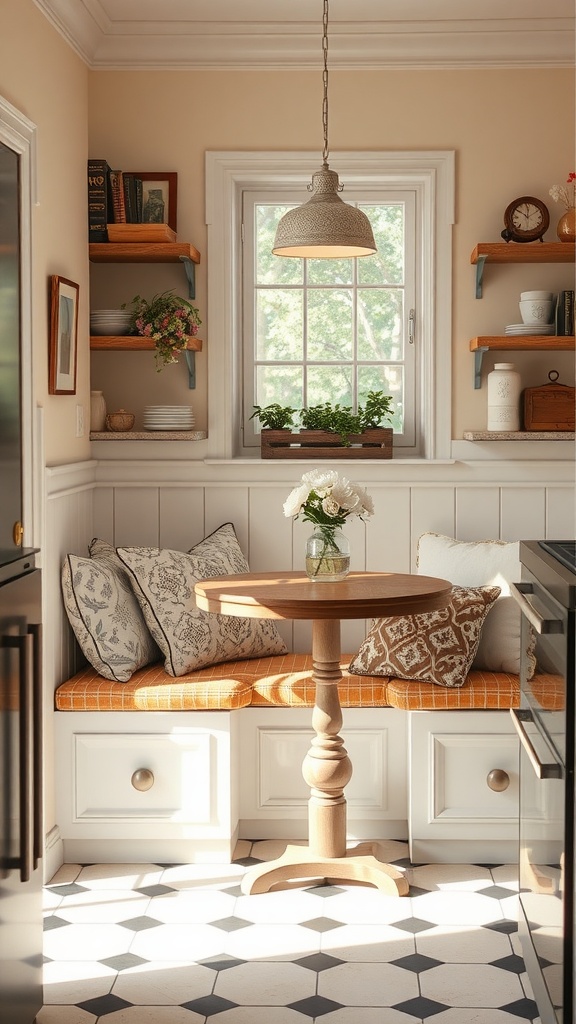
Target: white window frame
{"x": 228, "y": 174}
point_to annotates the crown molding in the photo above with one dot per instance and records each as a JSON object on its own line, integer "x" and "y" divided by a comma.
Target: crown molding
{"x": 106, "y": 45}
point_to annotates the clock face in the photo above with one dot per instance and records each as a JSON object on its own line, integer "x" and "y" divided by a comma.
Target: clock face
{"x": 527, "y": 217}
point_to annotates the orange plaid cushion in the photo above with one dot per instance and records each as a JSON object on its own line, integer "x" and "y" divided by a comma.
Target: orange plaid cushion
{"x": 279, "y": 680}
{"x": 480, "y": 690}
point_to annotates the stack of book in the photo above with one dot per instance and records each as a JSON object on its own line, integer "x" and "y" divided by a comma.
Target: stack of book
{"x": 116, "y": 198}
{"x": 564, "y": 319}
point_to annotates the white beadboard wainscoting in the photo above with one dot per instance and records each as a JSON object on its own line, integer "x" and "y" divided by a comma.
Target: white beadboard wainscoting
{"x": 175, "y": 504}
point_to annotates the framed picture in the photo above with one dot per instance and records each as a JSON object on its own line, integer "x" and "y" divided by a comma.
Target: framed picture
{"x": 159, "y": 196}
{"x": 63, "y": 340}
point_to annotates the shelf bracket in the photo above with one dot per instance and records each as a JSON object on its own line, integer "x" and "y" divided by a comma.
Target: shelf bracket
{"x": 190, "y": 268}
{"x": 190, "y": 358}
{"x": 478, "y": 357}
{"x": 480, "y": 261}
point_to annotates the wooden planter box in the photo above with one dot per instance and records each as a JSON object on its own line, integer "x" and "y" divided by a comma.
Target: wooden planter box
{"x": 321, "y": 444}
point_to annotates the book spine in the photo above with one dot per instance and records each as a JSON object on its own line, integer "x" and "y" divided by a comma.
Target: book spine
{"x": 118, "y": 206}
{"x": 559, "y": 315}
{"x": 569, "y": 311}
{"x": 128, "y": 197}
{"x": 99, "y": 209}
{"x": 138, "y": 190}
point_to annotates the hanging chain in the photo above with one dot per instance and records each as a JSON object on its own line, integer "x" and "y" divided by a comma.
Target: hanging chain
{"x": 325, "y": 81}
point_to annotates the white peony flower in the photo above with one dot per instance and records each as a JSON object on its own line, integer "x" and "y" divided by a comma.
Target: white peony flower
{"x": 296, "y": 500}
{"x": 330, "y": 506}
{"x": 320, "y": 480}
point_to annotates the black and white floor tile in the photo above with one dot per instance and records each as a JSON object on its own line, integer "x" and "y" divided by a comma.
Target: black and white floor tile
{"x": 180, "y": 944}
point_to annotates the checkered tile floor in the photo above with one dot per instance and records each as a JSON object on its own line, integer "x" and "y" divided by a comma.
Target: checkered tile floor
{"x": 180, "y": 944}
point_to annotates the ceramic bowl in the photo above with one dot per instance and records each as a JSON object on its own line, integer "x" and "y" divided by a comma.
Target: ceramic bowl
{"x": 536, "y": 311}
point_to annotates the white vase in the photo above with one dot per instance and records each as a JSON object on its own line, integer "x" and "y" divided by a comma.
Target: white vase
{"x": 504, "y": 389}
{"x": 97, "y": 412}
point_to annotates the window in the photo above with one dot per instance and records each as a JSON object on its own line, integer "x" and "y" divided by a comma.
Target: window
{"x": 301, "y": 330}
{"x": 330, "y": 330}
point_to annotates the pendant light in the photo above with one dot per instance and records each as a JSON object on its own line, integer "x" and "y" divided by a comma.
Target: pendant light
{"x": 325, "y": 227}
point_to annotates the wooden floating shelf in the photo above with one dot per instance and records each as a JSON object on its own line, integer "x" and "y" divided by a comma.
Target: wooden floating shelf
{"x": 524, "y": 252}
{"x": 142, "y": 252}
{"x": 133, "y": 343}
{"x": 523, "y": 342}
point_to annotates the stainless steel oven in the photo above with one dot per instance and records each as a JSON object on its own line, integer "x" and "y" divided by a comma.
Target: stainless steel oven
{"x": 545, "y": 725}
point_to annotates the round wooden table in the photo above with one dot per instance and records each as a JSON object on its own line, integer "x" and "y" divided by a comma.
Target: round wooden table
{"x": 326, "y": 768}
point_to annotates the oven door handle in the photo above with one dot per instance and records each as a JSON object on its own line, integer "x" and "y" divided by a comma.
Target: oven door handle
{"x": 540, "y": 622}
{"x": 543, "y": 770}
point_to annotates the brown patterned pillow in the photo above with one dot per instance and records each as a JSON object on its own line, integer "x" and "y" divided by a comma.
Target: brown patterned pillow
{"x": 433, "y": 647}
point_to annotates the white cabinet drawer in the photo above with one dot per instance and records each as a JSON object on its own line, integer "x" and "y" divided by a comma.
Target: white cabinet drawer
{"x": 274, "y": 742}
{"x": 191, "y": 758}
{"x": 453, "y": 795}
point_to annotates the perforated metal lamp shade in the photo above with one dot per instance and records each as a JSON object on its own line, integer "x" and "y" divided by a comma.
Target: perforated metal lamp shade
{"x": 325, "y": 227}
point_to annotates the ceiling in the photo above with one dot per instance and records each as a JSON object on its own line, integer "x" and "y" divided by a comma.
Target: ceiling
{"x": 184, "y": 34}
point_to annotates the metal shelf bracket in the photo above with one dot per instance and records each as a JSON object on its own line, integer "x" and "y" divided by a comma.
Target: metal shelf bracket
{"x": 190, "y": 268}
{"x": 480, "y": 261}
{"x": 190, "y": 358}
{"x": 478, "y": 357}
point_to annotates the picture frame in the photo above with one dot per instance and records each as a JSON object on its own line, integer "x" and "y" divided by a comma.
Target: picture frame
{"x": 63, "y": 336}
{"x": 166, "y": 184}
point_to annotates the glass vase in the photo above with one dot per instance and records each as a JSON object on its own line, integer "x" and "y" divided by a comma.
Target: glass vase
{"x": 327, "y": 555}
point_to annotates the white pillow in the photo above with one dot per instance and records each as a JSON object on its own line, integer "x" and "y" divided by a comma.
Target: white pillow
{"x": 189, "y": 638}
{"x": 477, "y": 564}
{"x": 105, "y": 615}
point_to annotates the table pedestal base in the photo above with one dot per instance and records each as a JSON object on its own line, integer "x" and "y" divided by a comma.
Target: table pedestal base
{"x": 358, "y": 865}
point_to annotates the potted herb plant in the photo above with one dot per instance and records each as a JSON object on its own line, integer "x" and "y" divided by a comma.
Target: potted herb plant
{"x": 274, "y": 417}
{"x": 169, "y": 320}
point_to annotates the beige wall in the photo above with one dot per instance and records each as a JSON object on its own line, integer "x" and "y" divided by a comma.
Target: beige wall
{"x": 43, "y": 79}
{"x": 513, "y": 133}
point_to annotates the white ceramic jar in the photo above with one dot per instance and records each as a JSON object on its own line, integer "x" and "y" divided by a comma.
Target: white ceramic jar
{"x": 504, "y": 389}
{"x": 97, "y": 412}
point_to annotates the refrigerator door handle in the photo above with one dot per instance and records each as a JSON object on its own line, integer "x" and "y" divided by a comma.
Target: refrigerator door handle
{"x": 35, "y": 629}
{"x": 25, "y": 647}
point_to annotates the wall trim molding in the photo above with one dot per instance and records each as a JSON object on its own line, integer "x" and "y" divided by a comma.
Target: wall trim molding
{"x": 108, "y": 44}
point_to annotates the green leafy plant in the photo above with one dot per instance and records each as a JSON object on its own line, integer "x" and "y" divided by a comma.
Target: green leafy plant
{"x": 275, "y": 416}
{"x": 168, "y": 320}
{"x": 375, "y": 410}
{"x": 343, "y": 421}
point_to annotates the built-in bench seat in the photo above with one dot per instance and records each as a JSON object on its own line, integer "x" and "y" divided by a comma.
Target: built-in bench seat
{"x": 280, "y": 681}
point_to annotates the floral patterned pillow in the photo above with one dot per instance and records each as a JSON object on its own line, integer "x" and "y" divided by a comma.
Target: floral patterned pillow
{"x": 105, "y": 615}
{"x": 432, "y": 647}
{"x": 163, "y": 582}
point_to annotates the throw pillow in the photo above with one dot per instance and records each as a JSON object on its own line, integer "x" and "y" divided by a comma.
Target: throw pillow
{"x": 477, "y": 564}
{"x": 432, "y": 647}
{"x": 163, "y": 582}
{"x": 104, "y": 614}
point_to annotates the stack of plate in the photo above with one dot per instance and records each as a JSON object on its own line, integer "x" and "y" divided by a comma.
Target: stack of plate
{"x": 168, "y": 417}
{"x": 110, "y": 321}
{"x": 533, "y": 329}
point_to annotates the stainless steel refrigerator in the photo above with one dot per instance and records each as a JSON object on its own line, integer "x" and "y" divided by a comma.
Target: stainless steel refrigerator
{"x": 21, "y": 833}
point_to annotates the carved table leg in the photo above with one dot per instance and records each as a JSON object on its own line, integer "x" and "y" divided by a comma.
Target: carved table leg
{"x": 327, "y": 769}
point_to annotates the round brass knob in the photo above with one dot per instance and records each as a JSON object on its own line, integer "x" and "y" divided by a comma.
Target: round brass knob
{"x": 498, "y": 780}
{"x": 142, "y": 779}
{"x": 18, "y": 534}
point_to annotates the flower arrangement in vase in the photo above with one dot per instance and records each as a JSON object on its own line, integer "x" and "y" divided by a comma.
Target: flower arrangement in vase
{"x": 169, "y": 321}
{"x": 327, "y": 500}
